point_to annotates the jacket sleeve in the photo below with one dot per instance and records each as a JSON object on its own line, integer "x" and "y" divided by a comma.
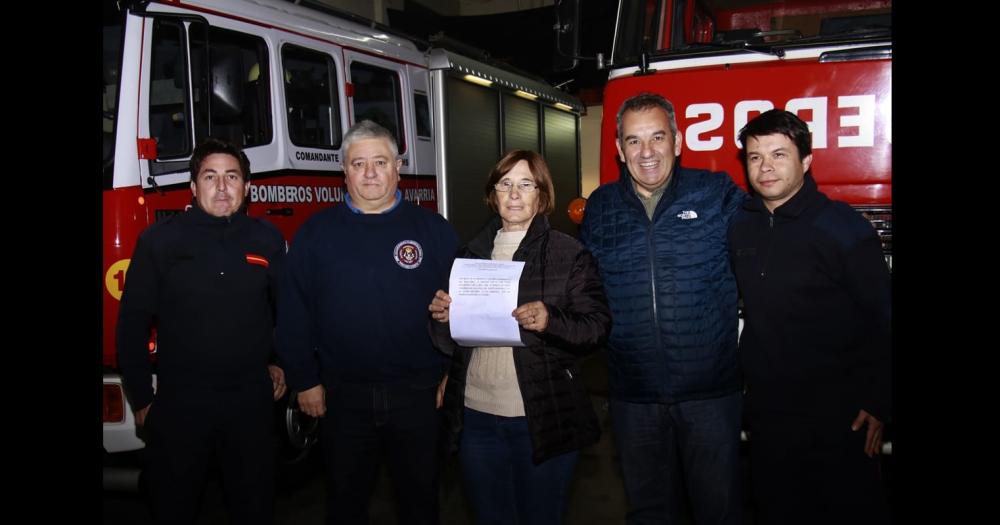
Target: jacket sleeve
{"x": 869, "y": 285}
{"x": 441, "y": 337}
{"x": 733, "y": 198}
{"x": 583, "y": 323}
{"x": 591, "y": 210}
{"x": 441, "y": 332}
{"x": 276, "y": 270}
{"x": 135, "y": 317}
{"x": 293, "y": 334}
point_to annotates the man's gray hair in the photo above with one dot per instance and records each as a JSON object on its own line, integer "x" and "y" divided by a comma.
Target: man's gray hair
{"x": 366, "y": 129}
{"x": 642, "y": 102}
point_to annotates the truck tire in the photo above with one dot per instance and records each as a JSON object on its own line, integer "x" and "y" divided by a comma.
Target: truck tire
{"x": 296, "y": 436}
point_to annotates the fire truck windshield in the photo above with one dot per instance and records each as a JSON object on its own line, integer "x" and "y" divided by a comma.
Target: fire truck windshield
{"x": 112, "y": 45}
{"x": 665, "y": 26}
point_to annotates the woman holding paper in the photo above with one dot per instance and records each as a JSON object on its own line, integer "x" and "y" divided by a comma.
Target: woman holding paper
{"x": 519, "y": 415}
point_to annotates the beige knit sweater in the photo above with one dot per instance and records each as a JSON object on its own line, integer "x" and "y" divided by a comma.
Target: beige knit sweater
{"x": 491, "y": 382}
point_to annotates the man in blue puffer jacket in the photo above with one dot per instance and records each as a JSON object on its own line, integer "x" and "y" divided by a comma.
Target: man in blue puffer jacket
{"x": 659, "y": 235}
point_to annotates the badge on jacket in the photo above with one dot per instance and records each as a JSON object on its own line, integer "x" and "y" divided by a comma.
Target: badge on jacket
{"x": 408, "y": 254}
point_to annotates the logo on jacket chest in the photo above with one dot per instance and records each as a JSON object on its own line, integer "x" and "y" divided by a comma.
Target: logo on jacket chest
{"x": 408, "y": 254}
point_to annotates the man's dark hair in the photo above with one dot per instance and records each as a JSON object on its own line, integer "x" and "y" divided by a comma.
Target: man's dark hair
{"x": 644, "y": 102}
{"x": 211, "y": 146}
{"x": 780, "y": 122}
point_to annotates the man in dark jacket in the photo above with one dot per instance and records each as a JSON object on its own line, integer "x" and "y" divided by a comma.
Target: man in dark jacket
{"x": 352, "y": 332}
{"x": 815, "y": 348}
{"x": 659, "y": 235}
{"x": 207, "y": 277}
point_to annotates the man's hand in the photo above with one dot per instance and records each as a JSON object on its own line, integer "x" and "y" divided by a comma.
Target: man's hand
{"x": 313, "y": 401}
{"x": 532, "y": 316}
{"x": 140, "y": 415}
{"x": 440, "y": 393}
{"x": 277, "y": 381}
{"x": 873, "y": 441}
{"x": 439, "y": 306}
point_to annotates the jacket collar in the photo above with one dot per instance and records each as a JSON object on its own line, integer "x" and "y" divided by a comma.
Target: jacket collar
{"x": 806, "y": 197}
{"x": 628, "y": 192}
{"x": 395, "y": 204}
{"x": 482, "y": 244}
{"x": 199, "y": 216}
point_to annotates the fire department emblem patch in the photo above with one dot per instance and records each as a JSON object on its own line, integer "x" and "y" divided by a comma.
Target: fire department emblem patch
{"x": 408, "y": 254}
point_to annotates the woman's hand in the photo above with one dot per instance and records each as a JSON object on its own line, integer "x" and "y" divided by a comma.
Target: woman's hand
{"x": 439, "y": 306}
{"x": 532, "y": 316}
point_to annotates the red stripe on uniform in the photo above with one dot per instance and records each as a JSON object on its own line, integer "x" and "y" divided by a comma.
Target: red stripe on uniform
{"x": 257, "y": 259}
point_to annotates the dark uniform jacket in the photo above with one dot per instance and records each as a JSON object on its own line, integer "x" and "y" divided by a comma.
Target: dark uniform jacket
{"x": 816, "y": 295}
{"x": 209, "y": 283}
{"x": 561, "y": 273}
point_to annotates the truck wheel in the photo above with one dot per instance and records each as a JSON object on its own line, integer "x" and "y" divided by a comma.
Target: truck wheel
{"x": 299, "y": 431}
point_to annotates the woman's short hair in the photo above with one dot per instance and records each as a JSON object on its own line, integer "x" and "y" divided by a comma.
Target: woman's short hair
{"x": 539, "y": 170}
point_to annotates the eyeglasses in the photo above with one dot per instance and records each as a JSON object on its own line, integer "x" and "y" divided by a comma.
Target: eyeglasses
{"x": 524, "y": 186}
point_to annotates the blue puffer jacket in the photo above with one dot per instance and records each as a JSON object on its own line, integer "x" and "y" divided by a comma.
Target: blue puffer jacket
{"x": 682, "y": 345}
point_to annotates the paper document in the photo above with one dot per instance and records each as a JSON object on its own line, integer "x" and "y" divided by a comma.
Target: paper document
{"x": 483, "y": 295}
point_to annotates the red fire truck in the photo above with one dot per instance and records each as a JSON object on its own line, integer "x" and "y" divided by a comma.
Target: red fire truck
{"x": 722, "y": 62}
{"x": 285, "y": 80}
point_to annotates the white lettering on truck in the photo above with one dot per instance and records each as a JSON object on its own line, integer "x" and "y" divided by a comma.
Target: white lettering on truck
{"x": 295, "y": 194}
{"x": 856, "y": 112}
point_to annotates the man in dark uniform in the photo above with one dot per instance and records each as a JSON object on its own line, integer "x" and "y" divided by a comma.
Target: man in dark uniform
{"x": 207, "y": 278}
{"x": 815, "y": 348}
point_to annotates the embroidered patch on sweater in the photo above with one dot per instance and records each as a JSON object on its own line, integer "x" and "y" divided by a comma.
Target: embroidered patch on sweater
{"x": 257, "y": 259}
{"x": 687, "y": 214}
{"x": 408, "y": 254}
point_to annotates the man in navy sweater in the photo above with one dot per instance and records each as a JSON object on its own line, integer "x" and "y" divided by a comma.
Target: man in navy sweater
{"x": 352, "y": 332}
{"x": 815, "y": 348}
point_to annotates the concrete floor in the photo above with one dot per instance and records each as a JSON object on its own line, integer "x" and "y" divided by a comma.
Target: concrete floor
{"x": 597, "y": 494}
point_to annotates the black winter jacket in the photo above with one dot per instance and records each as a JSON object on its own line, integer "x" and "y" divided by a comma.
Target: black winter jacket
{"x": 561, "y": 273}
{"x": 816, "y": 293}
{"x": 210, "y": 284}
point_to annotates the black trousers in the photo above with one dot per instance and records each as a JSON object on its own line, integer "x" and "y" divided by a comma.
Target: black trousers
{"x": 363, "y": 425}
{"x": 186, "y": 433}
{"x": 815, "y": 472}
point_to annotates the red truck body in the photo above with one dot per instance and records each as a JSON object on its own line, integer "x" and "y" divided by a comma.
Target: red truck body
{"x": 830, "y": 62}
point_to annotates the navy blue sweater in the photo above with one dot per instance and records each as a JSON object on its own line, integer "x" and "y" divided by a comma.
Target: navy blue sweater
{"x": 353, "y": 307}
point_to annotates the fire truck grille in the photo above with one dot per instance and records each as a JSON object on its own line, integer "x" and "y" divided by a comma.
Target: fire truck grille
{"x": 881, "y": 219}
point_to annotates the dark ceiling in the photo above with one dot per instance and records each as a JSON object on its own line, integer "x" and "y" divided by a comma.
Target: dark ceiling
{"x": 522, "y": 39}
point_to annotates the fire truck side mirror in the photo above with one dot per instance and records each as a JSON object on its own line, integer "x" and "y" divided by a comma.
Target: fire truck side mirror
{"x": 567, "y": 32}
